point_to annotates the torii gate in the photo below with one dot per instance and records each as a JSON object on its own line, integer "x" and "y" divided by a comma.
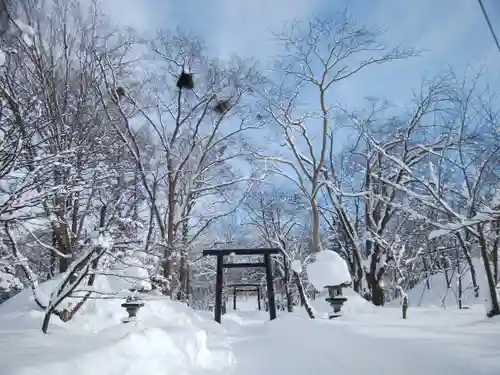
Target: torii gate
{"x": 221, "y": 253}
{"x": 238, "y": 287}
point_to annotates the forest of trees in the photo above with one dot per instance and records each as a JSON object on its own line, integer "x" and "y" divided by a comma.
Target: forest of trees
{"x": 117, "y": 146}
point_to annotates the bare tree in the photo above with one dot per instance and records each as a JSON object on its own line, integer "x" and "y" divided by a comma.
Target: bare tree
{"x": 471, "y": 149}
{"x": 64, "y": 175}
{"x": 198, "y": 128}
{"x": 50, "y": 99}
{"x": 317, "y": 57}
{"x": 276, "y": 216}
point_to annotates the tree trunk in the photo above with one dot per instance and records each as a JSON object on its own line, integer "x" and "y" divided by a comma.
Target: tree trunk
{"x": 62, "y": 246}
{"x": 356, "y": 284}
{"x": 53, "y": 257}
{"x": 468, "y": 258}
{"x": 495, "y": 307}
{"x": 60, "y": 227}
{"x": 374, "y": 277}
{"x": 183, "y": 277}
{"x": 377, "y": 293}
{"x": 183, "y": 266}
{"x": 316, "y": 238}
{"x": 303, "y": 298}
{"x": 288, "y": 294}
{"x": 168, "y": 266}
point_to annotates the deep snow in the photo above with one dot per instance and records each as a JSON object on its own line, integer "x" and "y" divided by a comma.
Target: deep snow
{"x": 328, "y": 269}
{"x": 442, "y": 292}
{"x": 170, "y": 338}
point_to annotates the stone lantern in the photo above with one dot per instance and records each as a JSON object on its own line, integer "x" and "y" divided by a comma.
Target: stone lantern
{"x": 335, "y": 299}
{"x": 132, "y": 306}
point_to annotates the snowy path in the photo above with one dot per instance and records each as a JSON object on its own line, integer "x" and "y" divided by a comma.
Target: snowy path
{"x": 292, "y": 345}
{"x": 171, "y": 338}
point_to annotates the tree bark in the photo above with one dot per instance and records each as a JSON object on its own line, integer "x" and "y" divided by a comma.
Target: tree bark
{"x": 495, "y": 307}
{"x": 303, "y": 298}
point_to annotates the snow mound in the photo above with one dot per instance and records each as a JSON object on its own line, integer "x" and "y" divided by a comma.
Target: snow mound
{"x": 169, "y": 337}
{"x": 127, "y": 349}
{"x": 328, "y": 269}
{"x": 441, "y": 290}
{"x": 451, "y": 343}
{"x": 128, "y": 274}
{"x": 354, "y": 305}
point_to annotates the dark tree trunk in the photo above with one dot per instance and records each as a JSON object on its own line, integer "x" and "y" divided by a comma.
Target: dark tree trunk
{"x": 184, "y": 266}
{"x": 495, "y": 307}
{"x": 288, "y": 294}
{"x": 468, "y": 259}
{"x": 377, "y": 293}
{"x": 303, "y": 297}
{"x": 374, "y": 277}
{"x": 356, "y": 285}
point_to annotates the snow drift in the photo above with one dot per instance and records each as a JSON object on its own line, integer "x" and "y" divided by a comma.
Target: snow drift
{"x": 438, "y": 291}
{"x": 168, "y": 338}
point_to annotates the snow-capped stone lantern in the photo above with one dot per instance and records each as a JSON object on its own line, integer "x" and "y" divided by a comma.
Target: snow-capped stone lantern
{"x": 330, "y": 271}
{"x": 132, "y": 306}
{"x": 335, "y": 298}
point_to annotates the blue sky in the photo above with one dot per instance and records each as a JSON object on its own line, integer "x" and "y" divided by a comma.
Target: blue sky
{"x": 452, "y": 31}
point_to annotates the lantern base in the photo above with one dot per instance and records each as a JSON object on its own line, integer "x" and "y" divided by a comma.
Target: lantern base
{"x": 333, "y": 315}
{"x": 129, "y": 320}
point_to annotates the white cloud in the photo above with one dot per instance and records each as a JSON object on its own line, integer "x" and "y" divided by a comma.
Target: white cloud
{"x": 228, "y": 26}
{"x": 144, "y": 15}
{"x": 451, "y": 31}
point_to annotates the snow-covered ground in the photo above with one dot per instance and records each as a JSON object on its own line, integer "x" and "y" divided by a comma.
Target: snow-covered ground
{"x": 438, "y": 291}
{"x": 370, "y": 344}
{"x": 172, "y": 339}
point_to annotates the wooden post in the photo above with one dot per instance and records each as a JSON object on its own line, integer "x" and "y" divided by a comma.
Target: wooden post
{"x": 218, "y": 288}
{"x": 234, "y": 298}
{"x": 270, "y": 286}
{"x": 258, "y": 298}
{"x": 405, "y": 306}
{"x": 288, "y": 295}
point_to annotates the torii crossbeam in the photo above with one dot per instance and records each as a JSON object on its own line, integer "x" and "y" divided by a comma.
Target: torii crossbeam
{"x": 221, "y": 253}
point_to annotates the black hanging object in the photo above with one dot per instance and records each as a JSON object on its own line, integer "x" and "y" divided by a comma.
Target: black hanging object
{"x": 120, "y": 91}
{"x": 185, "y": 81}
{"x": 222, "y": 106}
